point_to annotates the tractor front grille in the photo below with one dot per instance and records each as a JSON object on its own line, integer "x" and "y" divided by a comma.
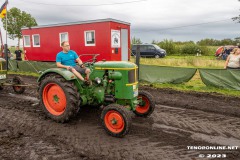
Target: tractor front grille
{"x": 133, "y": 76}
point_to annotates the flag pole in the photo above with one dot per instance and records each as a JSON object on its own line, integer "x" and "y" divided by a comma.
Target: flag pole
{"x": 5, "y": 46}
{"x": 6, "y": 22}
{"x": 1, "y": 43}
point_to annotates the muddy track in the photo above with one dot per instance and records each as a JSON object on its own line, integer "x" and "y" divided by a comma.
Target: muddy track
{"x": 209, "y": 102}
{"x": 27, "y": 134}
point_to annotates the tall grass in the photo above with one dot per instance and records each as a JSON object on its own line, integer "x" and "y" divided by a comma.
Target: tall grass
{"x": 186, "y": 48}
{"x": 184, "y": 61}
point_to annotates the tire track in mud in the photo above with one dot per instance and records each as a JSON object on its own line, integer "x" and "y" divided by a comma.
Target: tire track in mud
{"x": 20, "y": 146}
{"x": 213, "y": 129}
{"x": 18, "y": 140}
{"x": 209, "y": 102}
{"x": 86, "y": 136}
{"x": 198, "y": 121}
{"x": 88, "y": 140}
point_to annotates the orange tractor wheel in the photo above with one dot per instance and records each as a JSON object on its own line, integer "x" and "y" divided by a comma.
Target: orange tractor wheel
{"x": 59, "y": 98}
{"x": 116, "y": 120}
{"x": 146, "y": 106}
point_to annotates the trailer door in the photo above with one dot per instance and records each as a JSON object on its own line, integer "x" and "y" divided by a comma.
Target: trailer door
{"x": 124, "y": 44}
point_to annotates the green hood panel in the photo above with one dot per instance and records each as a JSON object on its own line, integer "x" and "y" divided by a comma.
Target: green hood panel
{"x": 121, "y": 65}
{"x": 61, "y": 71}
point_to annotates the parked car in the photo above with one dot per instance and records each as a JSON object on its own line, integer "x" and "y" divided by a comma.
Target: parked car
{"x": 149, "y": 50}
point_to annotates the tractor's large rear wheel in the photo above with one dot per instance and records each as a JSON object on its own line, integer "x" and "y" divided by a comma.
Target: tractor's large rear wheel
{"x": 18, "y": 81}
{"x": 146, "y": 106}
{"x": 116, "y": 120}
{"x": 59, "y": 98}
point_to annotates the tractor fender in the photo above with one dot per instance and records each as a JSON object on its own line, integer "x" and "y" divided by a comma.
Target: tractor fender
{"x": 61, "y": 71}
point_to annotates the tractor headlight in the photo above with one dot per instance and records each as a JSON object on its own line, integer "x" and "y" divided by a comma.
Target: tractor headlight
{"x": 98, "y": 80}
{"x": 3, "y": 76}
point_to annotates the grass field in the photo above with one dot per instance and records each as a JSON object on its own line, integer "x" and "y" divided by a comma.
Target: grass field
{"x": 184, "y": 61}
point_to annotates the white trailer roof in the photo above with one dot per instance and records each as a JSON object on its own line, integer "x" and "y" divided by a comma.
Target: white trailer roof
{"x": 79, "y": 22}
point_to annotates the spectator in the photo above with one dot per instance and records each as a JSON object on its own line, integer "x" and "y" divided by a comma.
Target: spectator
{"x": 233, "y": 60}
{"x": 8, "y": 52}
{"x": 227, "y": 51}
{"x": 18, "y": 53}
{"x": 199, "y": 52}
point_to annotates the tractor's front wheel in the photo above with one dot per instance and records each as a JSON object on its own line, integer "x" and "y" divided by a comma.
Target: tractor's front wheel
{"x": 116, "y": 120}
{"x": 18, "y": 81}
{"x": 146, "y": 105}
{"x": 59, "y": 98}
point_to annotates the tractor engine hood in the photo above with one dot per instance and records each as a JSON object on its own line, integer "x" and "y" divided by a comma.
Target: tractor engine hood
{"x": 115, "y": 65}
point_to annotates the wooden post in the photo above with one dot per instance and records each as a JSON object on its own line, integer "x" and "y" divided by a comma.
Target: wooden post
{"x": 138, "y": 58}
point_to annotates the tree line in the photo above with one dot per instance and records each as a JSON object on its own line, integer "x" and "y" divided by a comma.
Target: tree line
{"x": 203, "y": 47}
{"x": 203, "y": 42}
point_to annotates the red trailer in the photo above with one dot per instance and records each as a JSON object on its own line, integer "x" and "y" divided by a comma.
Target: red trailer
{"x": 108, "y": 37}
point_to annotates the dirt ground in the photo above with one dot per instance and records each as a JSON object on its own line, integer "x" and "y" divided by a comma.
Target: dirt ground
{"x": 179, "y": 120}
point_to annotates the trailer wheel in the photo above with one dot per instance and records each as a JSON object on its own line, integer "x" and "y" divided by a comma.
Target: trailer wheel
{"x": 147, "y": 105}
{"x": 116, "y": 120}
{"x": 59, "y": 98}
{"x": 18, "y": 89}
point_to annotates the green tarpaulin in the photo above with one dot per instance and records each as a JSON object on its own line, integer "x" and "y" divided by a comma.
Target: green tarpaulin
{"x": 221, "y": 78}
{"x": 30, "y": 66}
{"x": 12, "y": 65}
{"x": 160, "y": 74}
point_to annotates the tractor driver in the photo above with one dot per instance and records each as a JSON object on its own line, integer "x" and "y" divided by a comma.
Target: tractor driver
{"x": 67, "y": 59}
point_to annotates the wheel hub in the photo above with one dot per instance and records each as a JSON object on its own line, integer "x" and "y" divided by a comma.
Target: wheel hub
{"x": 144, "y": 105}
{"x": 56, "y": 98}
{"x": 114, "y": 121}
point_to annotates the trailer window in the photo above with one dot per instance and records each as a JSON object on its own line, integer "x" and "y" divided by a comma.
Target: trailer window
{"x": 26, "y": 40}
{"x": 36, "y": 40}
{"x": 63, "y": 37}
{"x": 89, "y": 38}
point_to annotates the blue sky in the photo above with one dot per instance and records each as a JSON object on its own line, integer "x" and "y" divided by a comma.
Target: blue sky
{"x": 150, "y": 19}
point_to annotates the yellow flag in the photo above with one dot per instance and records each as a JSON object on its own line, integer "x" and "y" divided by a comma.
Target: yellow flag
{"x": 3, "y": 10}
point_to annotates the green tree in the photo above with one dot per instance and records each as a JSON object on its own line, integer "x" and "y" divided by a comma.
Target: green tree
{"x": 16, "y": 19}
{"x": 168, "y": 45}
{"x": 207, "y": 42}
{"x": 136, "y": 40}
{"x": 237, "y": 18}
{"x": 154, "y": 42}
{"x": 214, "y": 42}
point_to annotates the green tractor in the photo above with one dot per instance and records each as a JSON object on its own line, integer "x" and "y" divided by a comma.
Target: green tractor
{"x": 114, "y": 86}
{"x": 17, "y": 82}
